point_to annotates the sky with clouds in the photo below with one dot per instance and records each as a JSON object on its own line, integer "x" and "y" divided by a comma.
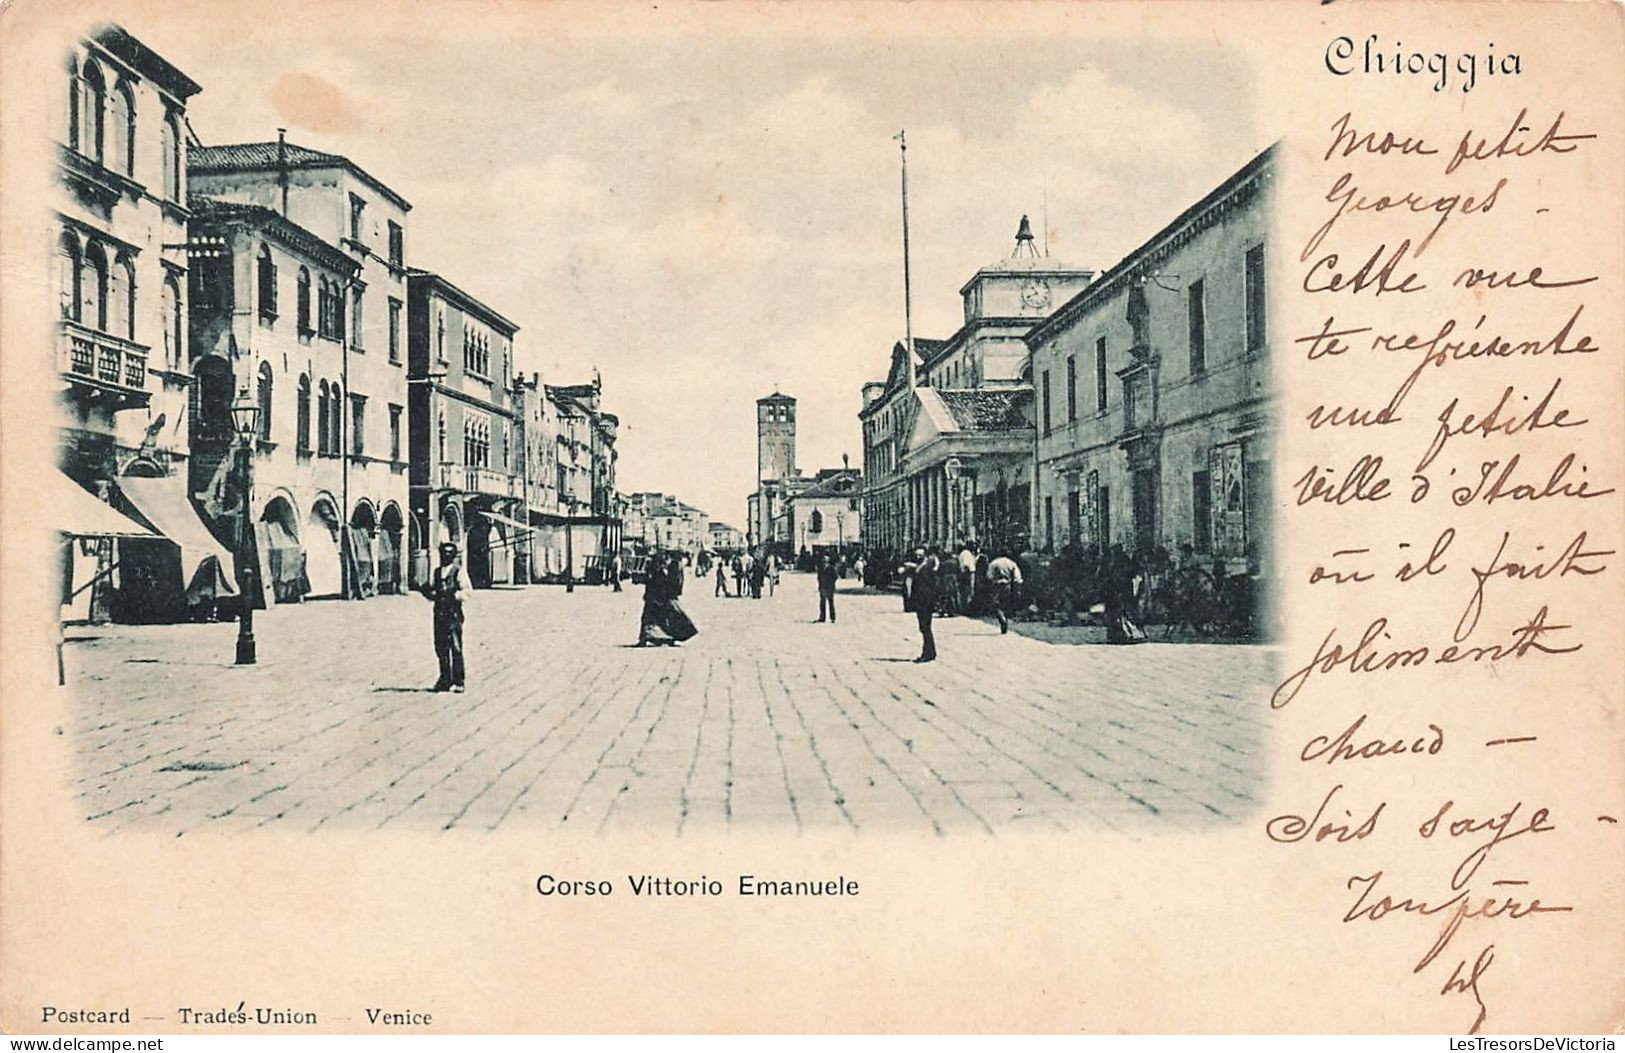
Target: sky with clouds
{"x": 706, "y": 218}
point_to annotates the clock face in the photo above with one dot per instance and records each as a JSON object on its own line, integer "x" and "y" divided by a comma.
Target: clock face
{"x": 1035, "y": 293}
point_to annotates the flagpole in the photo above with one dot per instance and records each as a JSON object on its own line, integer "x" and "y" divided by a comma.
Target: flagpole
{"x": 908, "y": 299}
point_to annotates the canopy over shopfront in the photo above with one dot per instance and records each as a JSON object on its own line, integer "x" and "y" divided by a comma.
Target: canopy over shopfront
{"x": 163, "y": 503}
{"x": 77, "y": 514}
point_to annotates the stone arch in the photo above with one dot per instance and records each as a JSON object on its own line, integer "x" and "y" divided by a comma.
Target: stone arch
{"x": 391, "y": 548}
{"x": 323, "y": 564}
{"x": 284, "y": 553}
{"x": 362, "y": 541}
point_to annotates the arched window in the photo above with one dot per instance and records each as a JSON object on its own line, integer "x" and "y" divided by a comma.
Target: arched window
{"x": 817, "y": 522}
{"x": 302, "y": 411}
{"x": 121, "y": 130}
{"x": 92, "y": 111}
{"x": 93, "y": 287}
{"x": 121, "y": 299}
{"x": 335, "y": 421}
{"x": 173, "y": 163}
{"x": 440, "y": 335}
{"x": 304, "y": 301}
{"x": 264, "y": 392}
{"x": 174, "y": 324}
{"x": 267, "y": 283}
{"x": 67, "y": 274}
{"x": 73, "y": 103}
{"x": 324, "y": 411}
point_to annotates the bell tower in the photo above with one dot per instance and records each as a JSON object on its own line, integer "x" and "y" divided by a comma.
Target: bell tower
{"x": 775, "y": 437}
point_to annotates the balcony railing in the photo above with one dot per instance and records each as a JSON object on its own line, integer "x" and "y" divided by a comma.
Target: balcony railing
{"x": 103, "y": 361}
{"x": 475, "y": 479}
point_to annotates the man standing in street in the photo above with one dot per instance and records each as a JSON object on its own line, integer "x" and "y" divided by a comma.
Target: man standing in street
{"x": 1004, "y": 577}
{"x": 967, "y": 576}
{"x": 923, "y": 596}
{"x": 615, "y": 571}
{"x": 826, "y": 588}
{"x": 445, "y": 590}
{"x": 722, "y": 580}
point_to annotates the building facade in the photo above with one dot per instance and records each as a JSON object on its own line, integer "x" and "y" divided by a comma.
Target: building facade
{"x": 726, "y": 540}
{"x": 586, "y": 529}
{"x": 120, "y": 271}
{"x": 1162, "y": 432}
{"x": 948, "y": 434}
{"x": 467, "y": 448}
{"x": 338, "y": 203}
{"x": 266, "y": 299}
{"x": 828, "y": 514}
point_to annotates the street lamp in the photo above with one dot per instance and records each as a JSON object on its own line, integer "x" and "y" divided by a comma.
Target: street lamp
{"x": 245, "y": 415}
{"x": 950, "y": 472}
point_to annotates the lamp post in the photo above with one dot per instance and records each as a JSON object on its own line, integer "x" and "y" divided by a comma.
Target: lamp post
{"x": 950, "y": 472}
{"x": 245, "y": 415}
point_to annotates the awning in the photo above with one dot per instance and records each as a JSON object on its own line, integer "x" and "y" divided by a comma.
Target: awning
{"x": 78, "y": 514}
{"x": 516, "y": 524}
{"x": 164, "y": 503}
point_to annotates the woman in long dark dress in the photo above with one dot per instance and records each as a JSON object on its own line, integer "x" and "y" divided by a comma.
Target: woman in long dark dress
{"x": 664, "y": 621}
{"x": 1122, "y": 574}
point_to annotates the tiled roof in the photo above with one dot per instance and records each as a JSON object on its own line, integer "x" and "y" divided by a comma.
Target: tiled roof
{"x": 262, "y": 157}
{"x": 843, "y": 483}
{"x": 254, "y": 155}
{"x": 988, "y": 409}
{"x": 205, "y": 208}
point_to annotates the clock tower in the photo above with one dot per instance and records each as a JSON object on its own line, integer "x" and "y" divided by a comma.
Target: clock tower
{"x": 1026, "y": 284}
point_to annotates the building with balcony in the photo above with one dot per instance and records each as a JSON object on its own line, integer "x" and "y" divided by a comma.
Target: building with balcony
{"x": 266, "y": 298}
{"x": 587, "y": 527}
{"x": 1162, "y": 432}
{"x": 120, "y": 347}
{"x": 948, "y": 434}
{"x": 536, "y": 418}
{"x": 337, "y": 203}
{"x": 466, "y": 442}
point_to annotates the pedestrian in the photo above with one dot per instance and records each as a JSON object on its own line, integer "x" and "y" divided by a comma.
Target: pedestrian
{"x": 739, "y": 573}
{"x": 924, "y": 594}
{"x": 772, "y": 572}
{"x": 1004, "y": 577}
{"x": 906, "y": 571}
{"x": 1123, "y": 581}
{"x": 664, "y": 622}
{"x": 722, "y": 580}
{"x": 615, "y": 571}
{"x": 445, "y": 590}
{"x": 758, "y": 574}
{"x": 967, "y": 576}
{"x": 826, "y": 588}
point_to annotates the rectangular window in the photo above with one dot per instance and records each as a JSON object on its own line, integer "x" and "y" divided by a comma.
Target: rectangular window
{"x": 1105, "y": 515}
{"x": 1201, "y": 513}
{"x": 355, "y": 322}
{"x": 394, "y": 330}
{"x": 1071, "y": 387}
{"x": 1197, "y": 312}
{"x": 357, "y": 207}
{"x": 358, "y": 421}
{"x": 1255, "y": 298}
{"x": 1100, "y": 375}
{"x": 1046, "y": 403}
{"x": 1074, "y": 517}
{"x": 1049, "y": 523}
{"x": 397, "y": 245}
{"x": 395, "y": 434}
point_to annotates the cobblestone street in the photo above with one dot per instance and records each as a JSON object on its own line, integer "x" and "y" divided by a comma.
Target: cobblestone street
{"x": 764, "y": 719}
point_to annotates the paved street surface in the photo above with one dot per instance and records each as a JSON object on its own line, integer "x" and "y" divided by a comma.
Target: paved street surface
{"x": 764, "y": 720}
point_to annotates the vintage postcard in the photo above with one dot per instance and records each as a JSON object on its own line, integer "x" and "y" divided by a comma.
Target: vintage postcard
{"x": 952, "y": 517}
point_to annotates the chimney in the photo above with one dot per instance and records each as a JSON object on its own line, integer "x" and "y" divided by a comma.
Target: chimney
{"x": 282, "y": 167}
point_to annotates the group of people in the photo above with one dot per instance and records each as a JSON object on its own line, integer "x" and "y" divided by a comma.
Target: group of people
{"x": 664, "y": 622}
{"x": 938, "y": 582}
{"x": 750, "y": 573}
